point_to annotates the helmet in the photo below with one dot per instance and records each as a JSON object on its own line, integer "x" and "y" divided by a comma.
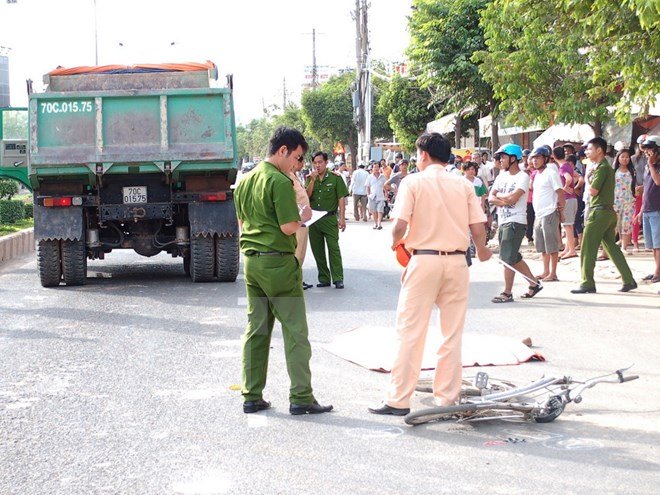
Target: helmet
{"x": 619, "y": 146}
{"x": 652, "y": 141}
{"x": 527, "y": 152}
{"x": 548, "y": 149}
{"x": 642, "y": 138}
{"x": 511, "y": 150}
{"x": 540, "y": 151}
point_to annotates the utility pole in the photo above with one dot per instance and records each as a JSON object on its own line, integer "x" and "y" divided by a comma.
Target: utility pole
{"x": 96, "y": 36}
{"x": 362, "y": 98}
{"x": 283, "y": 94}
{"x": 315, "y": 70}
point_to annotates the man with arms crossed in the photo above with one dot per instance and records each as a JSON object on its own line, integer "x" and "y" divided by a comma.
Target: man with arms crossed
{"x": 509, "y": 194}
{"x": 436, "y": 209}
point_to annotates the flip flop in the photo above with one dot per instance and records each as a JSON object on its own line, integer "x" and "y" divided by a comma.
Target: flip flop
{"x": 649, "y": 277}
{"x": 568, "y": 257}
{"x": 554, "y": 279}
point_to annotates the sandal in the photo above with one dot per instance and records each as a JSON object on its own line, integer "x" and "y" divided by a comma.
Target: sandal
{"x": 503, "y": 298}
{"x": 535, "y": 290}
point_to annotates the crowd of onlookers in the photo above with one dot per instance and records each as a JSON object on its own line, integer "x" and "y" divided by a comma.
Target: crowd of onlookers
{"x": 556, "y": 200}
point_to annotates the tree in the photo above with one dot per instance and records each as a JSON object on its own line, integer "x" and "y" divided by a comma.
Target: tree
{"x": 8, "y": 188}
{"x": 292, "y": 117}
{"x": 328, "y": 114}
{"x": 621, "y": 42}
{"x": 569, "y": 60}
{"x": 253, "y": 139}
{"x": 444, "y": 35}
{"x": 409, "y": 109}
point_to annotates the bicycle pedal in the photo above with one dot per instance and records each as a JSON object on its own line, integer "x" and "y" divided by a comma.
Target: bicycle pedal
{"x": 481, "y": 380}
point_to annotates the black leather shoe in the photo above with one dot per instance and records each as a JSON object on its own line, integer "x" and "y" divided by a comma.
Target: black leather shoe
{"x": 628, "y": 287}
{"x": 385, "y": 409}
{"x": 323, "y": 284}
{"x": 313, "y": 408}
{"x": 339, "y": 284}
{"x": 584, "y": 290}
{"x": 307, "y": 286}
{"x": 253, "y": 406}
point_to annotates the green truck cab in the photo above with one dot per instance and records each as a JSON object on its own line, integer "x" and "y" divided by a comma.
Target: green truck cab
{"x": 140, "y": 159}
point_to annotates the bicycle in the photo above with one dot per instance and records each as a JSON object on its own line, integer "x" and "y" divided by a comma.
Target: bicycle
{"x": 486, "y": 399}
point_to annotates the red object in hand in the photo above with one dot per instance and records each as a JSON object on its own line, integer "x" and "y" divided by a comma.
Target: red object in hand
{"x": 402, "y": 255}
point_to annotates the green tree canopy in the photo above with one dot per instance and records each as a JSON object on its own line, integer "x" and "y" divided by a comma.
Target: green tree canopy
{"x": 409, "y": 109}
{"x": 444, "y": 35}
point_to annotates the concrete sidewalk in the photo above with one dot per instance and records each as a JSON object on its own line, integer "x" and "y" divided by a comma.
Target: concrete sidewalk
{"x": 18, "y": 244}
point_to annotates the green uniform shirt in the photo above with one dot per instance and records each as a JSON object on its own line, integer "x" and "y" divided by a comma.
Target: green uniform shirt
{"x": 603, "y": 180}
{"x": 264, "y": 200}
{"x": 327, "y": 192}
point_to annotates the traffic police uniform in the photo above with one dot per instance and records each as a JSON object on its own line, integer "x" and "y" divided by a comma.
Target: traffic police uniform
{"x": 325, "y": 197}
{"x": 265, "y": 199}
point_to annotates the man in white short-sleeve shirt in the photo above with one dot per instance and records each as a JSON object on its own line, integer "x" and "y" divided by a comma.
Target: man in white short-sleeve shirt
{"x": 548, "y": 201}
{"x": 509, "y": 194}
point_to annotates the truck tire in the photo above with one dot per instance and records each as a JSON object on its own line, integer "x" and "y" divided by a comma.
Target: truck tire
{"x": 226, "y": 258}
{"x": 74, "y": 262}
{"x": 202, "y": 258}
{"x": 186, "y": 265}
{"x": 48, "y": 263}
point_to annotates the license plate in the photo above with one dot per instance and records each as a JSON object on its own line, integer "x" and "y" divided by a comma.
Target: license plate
{"x": 135, "y": 194}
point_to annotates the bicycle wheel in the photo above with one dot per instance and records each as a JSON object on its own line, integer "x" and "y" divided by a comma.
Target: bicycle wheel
{"x": 438, "y": 414}
{"x": 467, "y": 388}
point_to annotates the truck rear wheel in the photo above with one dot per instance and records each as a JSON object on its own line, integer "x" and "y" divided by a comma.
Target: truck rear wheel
{"x": 202, "y": 258}
{"x": 48, "y": 263}
{"x": 226, "y": 258}
{"x": 74, "y": 262}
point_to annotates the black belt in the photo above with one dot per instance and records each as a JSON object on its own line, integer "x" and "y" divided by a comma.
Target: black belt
{"x": 433, "y": 251}
{"x": 266, "y": 253}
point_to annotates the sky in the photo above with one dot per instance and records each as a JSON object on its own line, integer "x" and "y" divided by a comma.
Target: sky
{"x": 261, "y": 42}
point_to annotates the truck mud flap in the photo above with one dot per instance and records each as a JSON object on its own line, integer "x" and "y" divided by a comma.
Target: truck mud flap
{"x": 53, "y": 223}
{"x": 213, "y": 218}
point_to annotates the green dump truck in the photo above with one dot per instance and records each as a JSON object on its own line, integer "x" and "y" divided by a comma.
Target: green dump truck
{"x": 138, "y": 158}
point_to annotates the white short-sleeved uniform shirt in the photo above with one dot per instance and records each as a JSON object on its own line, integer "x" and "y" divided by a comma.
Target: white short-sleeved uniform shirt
{"x": 545, "y": 197}
{"x": 506, "y": 183}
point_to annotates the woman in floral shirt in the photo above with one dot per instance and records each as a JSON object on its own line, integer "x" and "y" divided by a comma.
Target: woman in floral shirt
{"x": 624, "y": 197}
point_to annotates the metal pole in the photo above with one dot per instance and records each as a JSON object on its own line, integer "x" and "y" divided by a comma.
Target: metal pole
{"x": 96, "y": 37}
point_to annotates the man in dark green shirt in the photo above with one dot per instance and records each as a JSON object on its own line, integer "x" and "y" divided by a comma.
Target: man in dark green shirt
{"x": 601, "y": 224}
{"x": 269, "y": 217}
{"x": 327, "y": 192}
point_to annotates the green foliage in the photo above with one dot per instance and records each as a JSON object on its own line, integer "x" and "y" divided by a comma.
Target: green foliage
{"x": 409, "y": 110}
{"x": 8, "y": 188}
{"x": 253, "y": 138}
{"x": 568, "y": 60}
{"x": 14, "y": 124}
{"x": 444, "y": 34}
{"x": 11, "y": 211}
{"x": 328, "y": 113}
{"x": 292, "y": 117}
{"x": 28, "y": 210}
{"x": 621, "y": 42}
{"x": 15, "y": 227}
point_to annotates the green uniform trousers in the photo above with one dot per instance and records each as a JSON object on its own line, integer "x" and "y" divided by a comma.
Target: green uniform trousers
{"x": 274, "y": 290}
{"x": 326, "y": 231}
{"x": 601, "y": 227}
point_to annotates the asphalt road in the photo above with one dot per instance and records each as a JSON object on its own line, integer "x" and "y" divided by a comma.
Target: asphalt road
{"x": 126, "y": 386}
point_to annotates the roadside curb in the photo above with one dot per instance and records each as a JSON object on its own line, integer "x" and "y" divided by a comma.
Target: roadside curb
{"x": 17, "y": 244}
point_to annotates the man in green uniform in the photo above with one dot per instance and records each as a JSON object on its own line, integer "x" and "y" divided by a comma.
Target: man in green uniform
{"x": 326, "y": 192}
{"x": 269, "y": 217}
{"x": 601, "y": 224}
